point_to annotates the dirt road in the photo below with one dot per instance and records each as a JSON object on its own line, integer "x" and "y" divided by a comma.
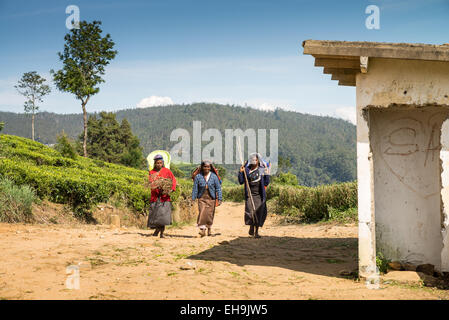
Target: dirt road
{"x": 288, "y": 262}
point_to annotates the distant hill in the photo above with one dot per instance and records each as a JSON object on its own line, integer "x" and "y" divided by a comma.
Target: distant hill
{"x": 322, "y": 150}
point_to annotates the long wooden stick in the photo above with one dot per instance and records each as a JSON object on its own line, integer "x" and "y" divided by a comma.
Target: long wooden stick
{"x": 247, "y": 184}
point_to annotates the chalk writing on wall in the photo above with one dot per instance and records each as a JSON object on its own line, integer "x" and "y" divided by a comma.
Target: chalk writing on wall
{"x": 408, "y": 142}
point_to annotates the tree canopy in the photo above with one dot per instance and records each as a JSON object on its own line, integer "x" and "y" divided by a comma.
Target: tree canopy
{"x": 32, "y": 86}
{"x": 110, "y": 141}
{"x": 85, "y": 56}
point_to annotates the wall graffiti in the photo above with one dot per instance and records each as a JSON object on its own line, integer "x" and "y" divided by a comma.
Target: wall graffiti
{"x": 408, "y": 142}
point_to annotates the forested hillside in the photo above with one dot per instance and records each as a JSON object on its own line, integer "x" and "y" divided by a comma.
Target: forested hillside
{"x": 321, "y": 150}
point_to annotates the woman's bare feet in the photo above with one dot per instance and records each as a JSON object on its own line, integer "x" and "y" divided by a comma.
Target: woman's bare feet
{"x": 209, "y": 232}
{"x": 251, "y": 230}
{"x": 256, "y": 234}
{"x": 156, "y": 232}
{"x": 202, "y": 232}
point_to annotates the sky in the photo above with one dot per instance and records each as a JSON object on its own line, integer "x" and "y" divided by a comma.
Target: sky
{"x": 244, "y": 52}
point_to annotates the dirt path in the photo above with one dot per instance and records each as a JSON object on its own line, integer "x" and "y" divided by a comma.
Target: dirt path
{"x": 288, "y": 262}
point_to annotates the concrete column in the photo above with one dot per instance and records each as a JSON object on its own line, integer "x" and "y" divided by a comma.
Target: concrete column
{"x": 367, "y": 238}
{"x": 444, "y": 156}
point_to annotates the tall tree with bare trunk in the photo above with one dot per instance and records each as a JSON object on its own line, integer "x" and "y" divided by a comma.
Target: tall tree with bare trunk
{"x": 85, "y": 55}
{"x": 32, "y": 86}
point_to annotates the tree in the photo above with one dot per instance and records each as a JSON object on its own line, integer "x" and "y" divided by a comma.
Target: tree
{"x": 65, "y": 146}
{"x": 133, "y": 156}
{"x": 86, "y": 53}
{"x": 284, "y": 164}
{"x": 2, "y": 124}
{"x": 32, "y": 87}
{"x": 110, "y": 141}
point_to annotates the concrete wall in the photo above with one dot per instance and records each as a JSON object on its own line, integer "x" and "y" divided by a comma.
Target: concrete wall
{"x": 401, "y": 105}
{"x": 407, "y": 185}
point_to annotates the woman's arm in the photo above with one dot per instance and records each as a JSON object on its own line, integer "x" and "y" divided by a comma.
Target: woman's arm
{"x": 241, "y": 178}
{"x": 195, "y": 188}
{"x": 218, "y": 186}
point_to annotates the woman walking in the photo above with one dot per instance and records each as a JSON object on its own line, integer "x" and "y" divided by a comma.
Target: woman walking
{"x": 207, "y": 189}
{"x": 162, "y": 183}
{"x": 255, "y": 175}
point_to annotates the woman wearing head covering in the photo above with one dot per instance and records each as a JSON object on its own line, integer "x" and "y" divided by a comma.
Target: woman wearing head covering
{"x": 206, "y": 188}
{"x": 162, "y": 182}
{"x": 255, "y": 175}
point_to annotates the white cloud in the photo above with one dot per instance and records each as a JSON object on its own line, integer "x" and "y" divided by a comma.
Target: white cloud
{"x": 266, "y": 107}
{"x": 346, "y": 113}
{"x": 154, "y": 101}
{"x": 271, "y": 105}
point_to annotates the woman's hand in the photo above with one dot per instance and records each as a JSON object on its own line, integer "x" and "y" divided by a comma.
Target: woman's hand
{"x": 242, "y": 168}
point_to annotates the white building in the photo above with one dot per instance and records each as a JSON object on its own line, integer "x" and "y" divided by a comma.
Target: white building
{"x": 402, "y": 94}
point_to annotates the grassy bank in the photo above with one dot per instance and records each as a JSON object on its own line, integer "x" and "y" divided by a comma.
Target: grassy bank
{"x": 80, "y": 183}
{"x": 337, "y": 202}
{"x": 15, "y": 202}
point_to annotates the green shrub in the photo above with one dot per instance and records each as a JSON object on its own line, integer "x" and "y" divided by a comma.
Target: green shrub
{"x": 15, "y": 202}
{"x": 342, "y": 216}
{"x": 382, "y": 262}
{"x": 273, "y": 190}
{"x": 314, "y": 203}
{"x": 65, "y": 147}
{"x": 233, "y": 193}
{"x": 178, "y": 173}
{"x": 286, "y": 179}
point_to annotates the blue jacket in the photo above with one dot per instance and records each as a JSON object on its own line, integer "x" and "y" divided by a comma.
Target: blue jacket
{"x": 263, "y": 183}
{"x": 199, "y": 185}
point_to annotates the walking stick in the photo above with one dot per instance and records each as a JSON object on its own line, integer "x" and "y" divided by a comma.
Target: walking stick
{"x": 247, "y": 184}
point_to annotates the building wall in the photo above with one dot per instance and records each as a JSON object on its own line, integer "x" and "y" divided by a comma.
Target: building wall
{"x": 401, "y": 105}
{"x": 407, "y": 185}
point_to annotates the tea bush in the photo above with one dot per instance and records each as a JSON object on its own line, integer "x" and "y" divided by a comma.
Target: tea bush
{"x": 81, "y": 183}
{"x": 314, "y": 203}
{"x": 328, "y": 202}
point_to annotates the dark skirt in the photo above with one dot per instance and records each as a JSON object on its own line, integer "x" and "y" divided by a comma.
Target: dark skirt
{"x": 259, "y": 215}
{"x": 206, "y": 208}
{"x": 160, "y": 214}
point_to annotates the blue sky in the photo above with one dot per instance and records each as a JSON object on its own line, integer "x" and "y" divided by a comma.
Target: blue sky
{"x": 237, "y": 52}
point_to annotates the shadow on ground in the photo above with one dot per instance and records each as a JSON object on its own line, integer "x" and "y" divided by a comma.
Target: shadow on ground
{"x": 167, "y": 235}
{"x": 322, "y": 256}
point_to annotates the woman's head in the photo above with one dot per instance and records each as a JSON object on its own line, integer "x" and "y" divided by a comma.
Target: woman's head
{"x": 254, "y": 160}
{"x": 206, "y": 166}
{"x": 158, "y": 162}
